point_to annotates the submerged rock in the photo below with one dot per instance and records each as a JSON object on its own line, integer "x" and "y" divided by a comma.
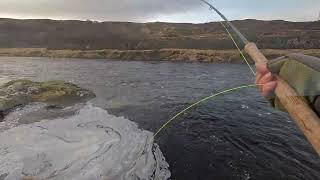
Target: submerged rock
{"x": 21, "y": 92}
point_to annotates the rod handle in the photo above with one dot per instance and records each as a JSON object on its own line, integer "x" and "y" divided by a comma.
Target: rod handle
{"x": 255, "y": 53}
{"x": 306, "y": 119}
{"x": 297, "y": 107}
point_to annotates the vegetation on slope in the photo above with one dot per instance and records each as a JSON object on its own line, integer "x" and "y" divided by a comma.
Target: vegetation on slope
{"x": 89, "y": 35}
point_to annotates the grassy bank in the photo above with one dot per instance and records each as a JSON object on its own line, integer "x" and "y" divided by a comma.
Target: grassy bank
{"x": 185, "y": 55}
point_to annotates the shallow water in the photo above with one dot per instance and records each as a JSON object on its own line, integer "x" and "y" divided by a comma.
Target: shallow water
{"x": 235, "y": 136}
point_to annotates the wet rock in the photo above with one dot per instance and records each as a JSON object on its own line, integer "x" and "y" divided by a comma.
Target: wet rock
{"x": 55, "y": 93}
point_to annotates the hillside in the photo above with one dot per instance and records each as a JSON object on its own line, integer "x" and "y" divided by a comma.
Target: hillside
{"x": 88, "y": 35}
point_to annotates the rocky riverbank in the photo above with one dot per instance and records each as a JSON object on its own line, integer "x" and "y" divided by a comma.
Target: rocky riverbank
{"x": 19, "y": 93}
{"x": 177, "y": 55}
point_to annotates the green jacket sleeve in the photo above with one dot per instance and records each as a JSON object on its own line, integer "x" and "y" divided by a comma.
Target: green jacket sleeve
{"x": 302, "y": 73}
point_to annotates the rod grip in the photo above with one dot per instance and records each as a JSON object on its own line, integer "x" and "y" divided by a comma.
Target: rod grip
{"x": 255, "y": 53}
{"x": 297, "y": 107}
{"x": 306, "y": 119}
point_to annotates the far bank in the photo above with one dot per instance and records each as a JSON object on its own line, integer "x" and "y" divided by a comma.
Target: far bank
{"x": 176, "y": 55}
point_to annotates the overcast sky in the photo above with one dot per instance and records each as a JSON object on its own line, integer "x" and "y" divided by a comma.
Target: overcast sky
{"x": 160, "y": 10}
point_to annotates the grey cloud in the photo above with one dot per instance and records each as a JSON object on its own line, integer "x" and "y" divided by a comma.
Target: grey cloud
{"x": 121, "y": 10}
{"x": 163, "y": 10}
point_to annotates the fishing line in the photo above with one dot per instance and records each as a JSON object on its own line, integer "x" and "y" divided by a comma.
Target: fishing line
{"x": 213, "y": 95}
{"x": 230, "y": 35}
{"x": 198, "y": 102}
{"x": 235, "y": 43}
{"x": 241, "y": 53}
{"x": 188, "y": 108}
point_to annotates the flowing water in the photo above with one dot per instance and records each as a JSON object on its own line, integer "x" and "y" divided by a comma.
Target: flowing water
{"x": 234, "y": 136}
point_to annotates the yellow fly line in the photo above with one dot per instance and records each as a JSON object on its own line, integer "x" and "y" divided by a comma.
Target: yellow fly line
{"x": 241, "y": 53}
{"x": 201, "y": 101}
{"x": 216, "y": 94}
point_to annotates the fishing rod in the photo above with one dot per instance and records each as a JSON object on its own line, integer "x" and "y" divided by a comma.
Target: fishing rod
{"x": 297, "y": 107}
{"x": 241, "y": 36}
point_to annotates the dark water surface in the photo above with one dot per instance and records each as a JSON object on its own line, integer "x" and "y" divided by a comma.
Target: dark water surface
{"x": 234, "y": 136}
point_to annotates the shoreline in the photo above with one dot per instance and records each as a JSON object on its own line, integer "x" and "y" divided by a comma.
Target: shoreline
{"x": 174, "y": 55}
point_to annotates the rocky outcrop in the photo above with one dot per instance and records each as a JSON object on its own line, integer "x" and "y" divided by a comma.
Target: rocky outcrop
{"x": 21, "y": 92}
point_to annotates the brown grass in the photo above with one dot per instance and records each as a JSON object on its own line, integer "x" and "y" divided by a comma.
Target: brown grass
{"x": 185, "y": 55}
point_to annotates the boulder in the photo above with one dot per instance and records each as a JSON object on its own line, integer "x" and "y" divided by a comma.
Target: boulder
{"x": 21, "y": 92}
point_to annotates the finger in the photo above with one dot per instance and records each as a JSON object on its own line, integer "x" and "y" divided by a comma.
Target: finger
{"x": 268, "y": 88}
{"x": 258, "y": 77}
{"x": 266, "y": 78}
{"x": 261, "y": 80}
{"x": 261, "y": 71}
{"x": 259, "y": 86}
{"x": 261, "y": 68}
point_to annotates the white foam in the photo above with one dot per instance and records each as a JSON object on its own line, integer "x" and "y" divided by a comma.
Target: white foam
{"x": 89, "y": 145}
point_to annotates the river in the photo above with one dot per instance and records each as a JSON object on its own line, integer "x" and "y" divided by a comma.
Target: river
{"x": 234, "y": 136}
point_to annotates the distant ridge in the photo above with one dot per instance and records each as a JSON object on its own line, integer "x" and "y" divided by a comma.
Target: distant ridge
{"x": 93, "y": 35}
